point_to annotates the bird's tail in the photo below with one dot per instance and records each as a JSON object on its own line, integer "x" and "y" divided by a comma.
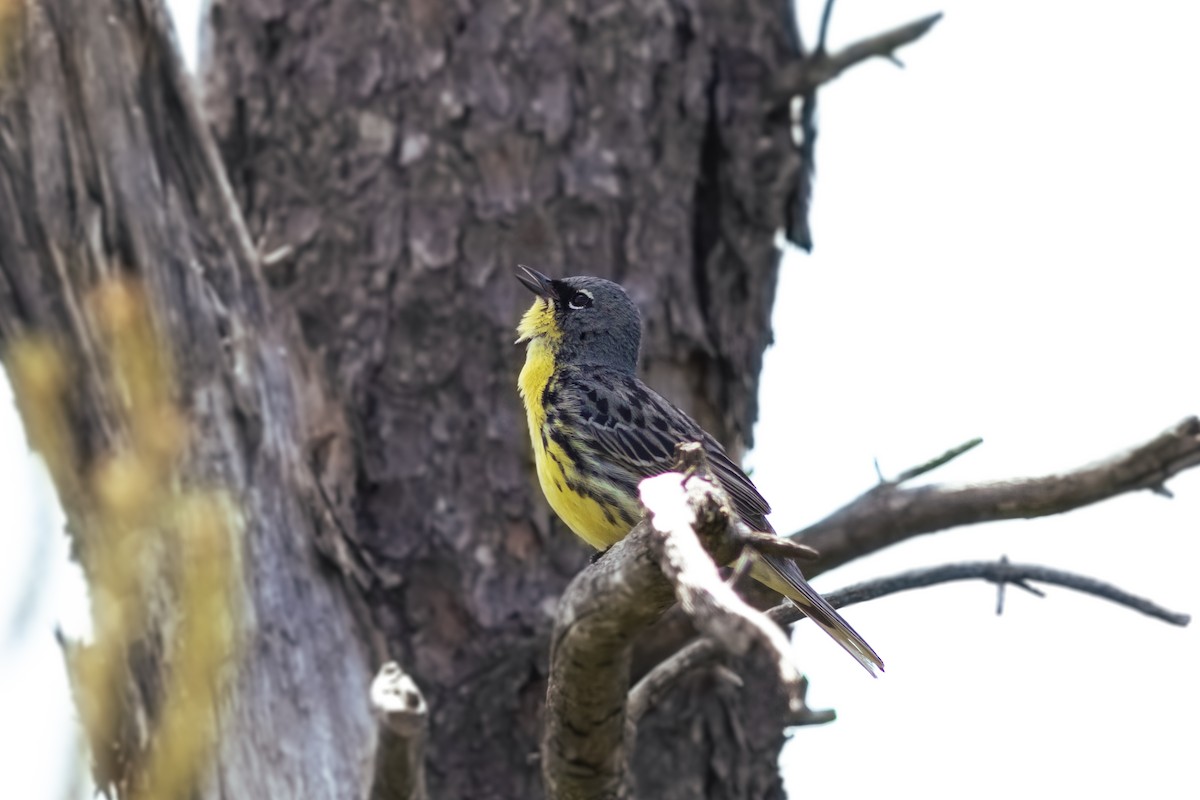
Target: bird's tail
{"x": 784, "y": 577}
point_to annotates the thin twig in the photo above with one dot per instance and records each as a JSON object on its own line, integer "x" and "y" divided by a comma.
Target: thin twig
{"x": 934, "y": 463}
{"x": 1019, "y": 583}
{"x": 826, "y": 15}
{"x": 803, "y": 76}
{"x": 773, "y": 545}
{"x": 655, "y": 685}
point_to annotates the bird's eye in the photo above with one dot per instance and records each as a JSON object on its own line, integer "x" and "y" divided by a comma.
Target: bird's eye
{"x": 580, "y": 300}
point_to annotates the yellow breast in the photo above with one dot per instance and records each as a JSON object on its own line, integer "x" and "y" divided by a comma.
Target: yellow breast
{"x": 591, "y": 521}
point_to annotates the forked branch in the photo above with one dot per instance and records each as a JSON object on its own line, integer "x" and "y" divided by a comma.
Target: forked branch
{"x": 819, "y": 67}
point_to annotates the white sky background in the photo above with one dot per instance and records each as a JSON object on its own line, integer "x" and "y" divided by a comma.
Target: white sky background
{"x": 1004, "y": 248}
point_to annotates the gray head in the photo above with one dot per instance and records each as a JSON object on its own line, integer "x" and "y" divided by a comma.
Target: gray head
{"x": 585, "y": 320}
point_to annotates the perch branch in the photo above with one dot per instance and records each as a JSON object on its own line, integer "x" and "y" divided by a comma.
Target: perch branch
{"x": 803, "y": 76}
{"x": 889, "y": 513}
{"x": 658, "y": 682}
{"x": 669, "y": 555}
{"x": 403, "y": 723}
{"x": 601, "y": 610}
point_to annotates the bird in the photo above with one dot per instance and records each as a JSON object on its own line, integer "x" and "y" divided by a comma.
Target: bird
{"x": 597, "y": 431}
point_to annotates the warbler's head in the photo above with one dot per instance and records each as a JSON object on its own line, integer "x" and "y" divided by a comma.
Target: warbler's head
{"x": 584, "y": 320}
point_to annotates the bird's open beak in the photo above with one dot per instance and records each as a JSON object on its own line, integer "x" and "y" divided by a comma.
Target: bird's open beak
{"x": 537, "y": 283}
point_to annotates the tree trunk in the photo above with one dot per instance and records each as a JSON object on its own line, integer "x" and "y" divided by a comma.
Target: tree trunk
{"x": 106, "y": 172}
{"x": 392, "y": 164}
{"x": 408, "y": 156}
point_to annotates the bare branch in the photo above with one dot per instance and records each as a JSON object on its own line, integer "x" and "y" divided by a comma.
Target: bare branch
{"x": 1000, "y": 572}
{"x": 803, "y": 76}
{"x": 702, "y": 652}
{"x": 887, "y": 513}
{"x": 934, "y": 463}
{"x": 403, "y": 722}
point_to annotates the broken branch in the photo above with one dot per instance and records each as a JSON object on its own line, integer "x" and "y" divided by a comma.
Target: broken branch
{"x": 400, "y": 750}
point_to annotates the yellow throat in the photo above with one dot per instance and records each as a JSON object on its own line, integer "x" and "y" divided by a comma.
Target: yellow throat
{"x": 556, "y": 474}
{"x": 539, "y": 329}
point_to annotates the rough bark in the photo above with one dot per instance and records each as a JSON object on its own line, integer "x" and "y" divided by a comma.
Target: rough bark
{"x": 407, "y": 156}
{"x": 107, "y": 171}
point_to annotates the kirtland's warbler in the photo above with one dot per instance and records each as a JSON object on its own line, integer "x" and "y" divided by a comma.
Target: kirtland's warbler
{"x": 598, "y": 431}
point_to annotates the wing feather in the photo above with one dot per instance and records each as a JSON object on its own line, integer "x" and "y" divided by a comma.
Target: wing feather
{"x": 628, "y": 432}
{"x": 631, "y": 429}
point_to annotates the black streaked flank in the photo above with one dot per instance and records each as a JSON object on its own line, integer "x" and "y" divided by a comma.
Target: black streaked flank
{"x": 560, "y": 438}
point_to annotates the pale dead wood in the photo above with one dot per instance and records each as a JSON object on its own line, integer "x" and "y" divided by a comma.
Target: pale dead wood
{"x": 403, "y": 724}
{"x": 677, "y": 509}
